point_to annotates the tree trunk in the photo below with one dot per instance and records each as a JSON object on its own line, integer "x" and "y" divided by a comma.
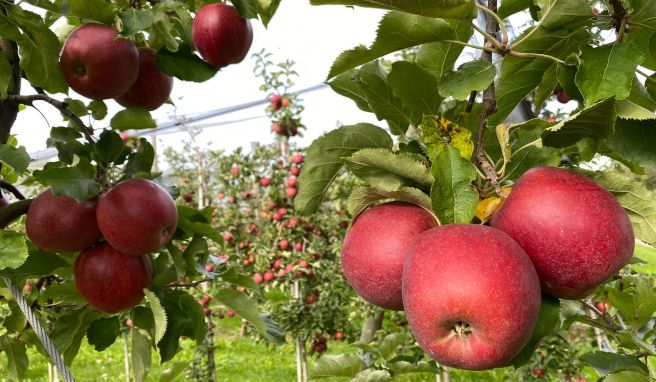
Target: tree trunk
{"x": 211, "y": 366}
{"x": 371, "y": 326}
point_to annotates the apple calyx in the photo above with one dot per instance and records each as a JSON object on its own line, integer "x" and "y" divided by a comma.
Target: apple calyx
{"x": 462, "y": 329}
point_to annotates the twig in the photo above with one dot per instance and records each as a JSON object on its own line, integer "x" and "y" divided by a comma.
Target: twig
{"x": 189, "y": 285}
{"x": 611, "y": 324}
{"x": 13, "y": 211}
{"x": 621, "y": 17}
{"x": 61, "y": 106}
{"x": 471, "y": 101}
{"x": 488, "y": 36}
{"x": 11, "y": 188}
{"x": 489, "y": 107}
{"x": 535, "y": 55}
{"x": 504, "y": 31}
{"x": 483, "y": 48}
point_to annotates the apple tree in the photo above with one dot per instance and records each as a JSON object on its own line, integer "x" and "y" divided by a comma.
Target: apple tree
{"x": 95, "y": 238}
{"x": 544, "y": 215}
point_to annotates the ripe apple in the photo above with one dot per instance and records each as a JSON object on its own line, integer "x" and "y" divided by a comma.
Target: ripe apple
{"x": 265, "y": 182}
{"x": 221, "y": 36}
{"x": 376, "y": 246}
{"x": 603, "y": 306}
{"x": 97, "y": 64}
{"x": 292, "y": 182}
{"x": 562, "y": 96}
{"x": 471, "y": 296}
{"x": 268, "y": 276}
{"x": 228, "y": 237}
{"x": 62, "y": 224}
{"x": 298, "y": 247}
{"x": 125, "y": 137}
{"x": 289, "y": 268}
{"x": 284, "y": 244}
{"x": 188, "y": 198}
{"x": 109, "y": 280}
{"x": 257, "y": 278}
{"x": 282, "y": 211}
{"x": 291, "y": 192}
{"x": 129, "y": 323}
{"x": 277, "y": 217}
{"x": 575, "y": 231}
{"x": 137, "y": 216}
{"x": 284, "y": 102}
{"x": 298, "y": 158}
{"x": 310, "y": 299}
{"x": 234, "y": 170}
{"x": 538, "y": 373}
{"x": 152, "y": 87}
{"x": 27, "y": 288}
{"x": 339, "y": 335}
{"x": 209, "y": 268}
{"x": 277, "y": 264}
{"x": 292, "y": 223}
{"x": 276, "y": 102}
{"x": 278, "y": 128}
{"x": 303, "y": 264}
{"x": 230, "y": 313}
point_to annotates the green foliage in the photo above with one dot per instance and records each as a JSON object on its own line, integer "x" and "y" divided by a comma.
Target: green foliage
{"x": 453, "y": 195}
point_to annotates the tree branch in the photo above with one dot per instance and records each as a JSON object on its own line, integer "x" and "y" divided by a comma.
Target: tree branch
{"x": 9, "y": 110}
{"x": 61, "y": 106}
{"x": 611, "y": 324}
{"x": 621, "y": 18}
{"x": 11, "y": 188}
{"x": 13, "y": 211}
{"x": 489, "y": 104}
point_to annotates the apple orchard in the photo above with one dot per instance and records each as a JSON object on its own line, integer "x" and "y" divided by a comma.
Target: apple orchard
{"x": 497, "y": 223}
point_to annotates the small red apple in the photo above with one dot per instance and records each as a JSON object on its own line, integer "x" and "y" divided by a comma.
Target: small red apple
{"x": 221, "y": 35}
{"x": 292, "y": 223}
{"x": 310, "y": 299}
{"x": 278, "y": 128}
{"x": 291, "y": 182}
{"x": 268, "y": 276}
{"x": 298, "y": 158}
{"x": 188, "y": 198}
{"x": 124, "y": 136}
{"x": 276, "y": 217}
{"x": 27, "y": 288}
{"x": 298, "y": 247}
{"x": 276, "y": 102}
{"x": 562, "y": 96}
{"x": 303, "y": 264}
{"x": 284, "y": 244}
{"x": 277, "y": 264}
{"x": 257, "y": 278}
{"x": 230, "y": 313}
{"x": 537, "y": 372}
{"x": 265, "y": 182}
{"x": 152, "y": 87}
{"x": 229, "y": 237}
{"x": 339, "y": 335}
{"x": 207, "y": 311}
{"x": 129, "y": 323}
{"x": 209, "y": 268}
{"x": 284, "y": 102}
{"x": 294, "y": 170}
{"x": 282, "y": 211}
{"x": 291, "y": 192}
{"x": 234, "y": 170}
{"x": 289, "y": 268}
{"x": 603, "y": 306}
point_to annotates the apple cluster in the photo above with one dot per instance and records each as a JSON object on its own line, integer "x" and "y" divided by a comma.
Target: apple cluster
{"x": 135, "y": 217}
{"x": 97, "y": 64}
{"x": 472, "y": 293}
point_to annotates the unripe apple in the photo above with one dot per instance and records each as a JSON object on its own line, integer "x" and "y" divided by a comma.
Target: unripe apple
{"x": 221, "y": 36}
{"x": 152, "y": 87}
{"x": 62, "y": 224}
{"x": 264, "y": 182}
{"x": 284, "y": 244}
{"x": 471, "y": 296}
{"x": 97, "y": 64}
{"x": 257, "y": 278}
{"x": 376, "y": 246}
{"x": 109, "y": 280}
{"x": 268, "y": 276}
{"x": 298, "y": 158}
{"x": 575, "y": 231}
{"x": 294, "y": 170}
{"x": 137, "y": 216}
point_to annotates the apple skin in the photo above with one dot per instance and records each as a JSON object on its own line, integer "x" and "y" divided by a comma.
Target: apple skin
{"x": 62, "y": 224}
{"x": 137, "y": 216}
{"x": 109, "y": 280}
{"x": 476, "y": 276}
{"x": 376, "y": 246}
{"x": 563, "y": 97}
{"x": 574, "y": 230}
{"x": 220, "y": 35}
{"x": 152, "y": 87}
{"x": 97, "y": 64}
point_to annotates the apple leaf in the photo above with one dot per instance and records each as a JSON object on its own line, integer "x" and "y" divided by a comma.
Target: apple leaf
{"x": 102, "y": 333}
{"x": 637, "y": 200}
{"x": 635, "y": 140}
{"x": 608, "y": 363}
{"x": 13, "y": 249}
{"x": 243, "y": 306}
{"x": 69, "y": 330}
{"x": 346, "y": 85}
{"x": 445, "y": 9}
{"x": 396, "y": 31}
{"x": 546, "y": 86}
{"x": 194, "y": 222}
{"x": 266, "y": 9}
{"x": 453, "y": 195}
{"x": 640, "y": 96}
{"x": 184, "y": 64}
{"x": 648, "y": 255}
{"x": 548, "y": 323}
{"x": 596, "y": 121}
{"x": 470, "y": 76}
{"x": 510, "y": 7}
{"x": 171, "y": 373}
{"x": 342, "y": 365}
{"x": 109, "y": 146}
{"x": 607, "y": 71}
{"x": 323, "y": 161}
{"x": 405, "y": 367}
{"x": 636, "y": 301}
{"x": 132, "y": 119}
{"x": 383, "y": 169}
{"x": 135, "y": 21}
{"x": 141, "y": 356}
{"x": 140, "y": 161}
{"x": 98, "y": 109}
{"x": 185, "y": 318}
{"x": 38, "y": 264}
{"x": 372, "y": 375}
{"x": 159, "y": 315}
{"x": 628, "y": 376}
{"x": 6, "y": 75}
{"x": 16, "y": 355}
{"x": 390, "y": 344}
{"x": 439, "y": 57}
{"x": 363, "y": 197}
{"x": 233, "y": 277}
{"x": 76, "y": 181}
{"x": 16, "y": 158}
{"x": 98, "y": 10}
{"x": 415, "y": 86}
{"x": 439, "y": 133}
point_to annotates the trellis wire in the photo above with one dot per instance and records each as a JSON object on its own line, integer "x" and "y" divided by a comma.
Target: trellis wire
{"x": 40, "y": 332}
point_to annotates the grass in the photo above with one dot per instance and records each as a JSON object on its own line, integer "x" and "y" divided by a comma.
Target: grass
{"x": 237, "y": 359}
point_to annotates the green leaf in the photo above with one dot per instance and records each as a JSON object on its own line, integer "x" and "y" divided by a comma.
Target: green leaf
{"x": 390, "y": 344}
{"x": 342, "y": 365}
{"x": 184, "y": 64}
{"x": 266, "y": 9}
{"x": 372, "y": 375}
{"x": 363, "y": 197}
{"x": 98, "y": 109}
{"x": 13, "y": 249}
{"x": 388, "y": 171}
{"x": 274, "y": 332}
{"x": 243, "y": 306}
{"x": 135, "y": 21}
{"x": 132, "y": 119}
{"x": 548, "y": 323}
{"x": 470, "y": 76}
{"x": 650, "y": 85}
{"x": 640, "y": 96}
{"x": 396, "y": 31}
{"x": 634, "y": 140}
{"x": 109, "y": 146}
{"x": 16, "y": 355}
{"x": 637, "y": 200}
{"x": 608, "y": 363}
{"x": 76, "y": 181}
{"x": 416, "y": 87}
{"x": 233, "y": 277}
{"x": 194, "y": 222}
{"x": 98, "y": 10}
{"x": 546, "y": 86}
{"x": 142, "y": 160}
{"x": 510, "y": 7}
{"x": 172, "y": 372}
{"x": 70, "y": 329}
{"x": 185, "y": 318}
{"x": 102, "y": 333}
{"x": 323, "y": 161}
{"x": 439, "y": 57}
{"x": 6, "y": 76}
{"x": 446, "y": 9}
{"x": 141, "y": 356}
{"x": 636, "y": 302}
{"x": 38, "y": 264}
{"x": 453, "y": 195}
{"x": 607, "y": 71}
{"x": 627, "y": 376}
{"x": 16, "y": 158}
{"x": 159, "y": 315}
{"x": 347, "y": 85}
{"x": 596, "y": 121}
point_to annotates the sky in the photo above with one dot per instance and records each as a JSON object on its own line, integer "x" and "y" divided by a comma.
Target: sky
{"x": 309, "y": 35}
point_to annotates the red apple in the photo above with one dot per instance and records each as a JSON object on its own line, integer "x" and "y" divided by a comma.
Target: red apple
{"x": 97, "y": 64}
{"x": 265, "y": 182}
{"x": 376, "y": 246}
{"x": 575, "y": 231}
{"x": 292, "y": 223}
{"x": 209, "y": 268}
{"x": 125, "y": 137}
{"x": 230, "y": 313}
{"x": 276, "y": 102}
{"x": 339, "y": 335}
{"x": 303, "y": 264}
{"x": 294, "y": 170}
{"x": 257, "y": 278}
{"x": 129, "y": 323}
{"x": 278, "y": 128}
{"x": 310, "y": 299}
{"x": 109, "y": 280}
{"x": 471, "y": 296}
{"x": 268, "y": 276}
{"x": 277, "y": 264}
{"x": 234, "y": 170}
{"x": 603, "y": 306}
{"x": 188, "y": 198}
{"x": 562, "y": 97}
{"x": 137, "y": 216}
{"x": 291, "y": 192}
{"x": 298, "y": 247}
{"x": 152, "y": 87}
{"x": 228, "y": 237}
{"x": 538, "y": 373}
{"x": 282, "y": 211}
{"x": 277, "y": 217}
{"x": 27, "y": 288}
{"x": 289, "y": 268}
{"x": 284, "y": 244}
{"x": 298, "y": 158}
{"x": 221, "y": 36}
{"x": 284, "y": 102}
{"x": 62, "y": 224}
{"x": 291, "y": 182}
